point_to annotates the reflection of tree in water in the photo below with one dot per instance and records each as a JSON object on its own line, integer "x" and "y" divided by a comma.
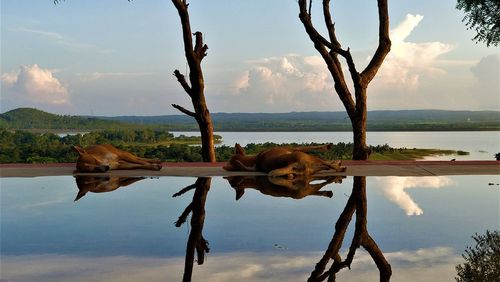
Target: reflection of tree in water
{"x": 299, "y": 188}
{"x": 296, "y": 188}
{"x": 356, "y": 204}
{"x": 196, "y": 242}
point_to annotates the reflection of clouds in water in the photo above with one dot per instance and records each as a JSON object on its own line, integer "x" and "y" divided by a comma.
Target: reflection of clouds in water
{"x": 394, "y": 189}
{"x": 420, "y": 265}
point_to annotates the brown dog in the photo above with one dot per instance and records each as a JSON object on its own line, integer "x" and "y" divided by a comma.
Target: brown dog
{"x": 101, "y": 184}
{"x": 101, "y": 158}
{"x": 282, "y": 161}
{"x": 296, "y": 188}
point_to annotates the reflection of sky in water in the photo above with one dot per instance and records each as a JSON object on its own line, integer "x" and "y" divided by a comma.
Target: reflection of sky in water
{"x": 394, "y": 189}
{"x": 422, "y": 264}
{"x": 133, "y": 227}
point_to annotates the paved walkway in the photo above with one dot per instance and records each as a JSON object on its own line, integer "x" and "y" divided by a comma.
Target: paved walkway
{"x": 354, "y": 168}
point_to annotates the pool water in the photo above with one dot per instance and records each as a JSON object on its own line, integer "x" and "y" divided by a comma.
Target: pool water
{"x": 238, "y": 229}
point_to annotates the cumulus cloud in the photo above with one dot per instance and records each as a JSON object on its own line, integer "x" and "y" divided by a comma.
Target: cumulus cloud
{"x": 487, "y": 86}
{"x": 33, "y": 86}
{"x": 394, "y": 188}
{"x": 297, "y": 82}
{"x": 285, "y": 83}
{"x": 407, "y": 62}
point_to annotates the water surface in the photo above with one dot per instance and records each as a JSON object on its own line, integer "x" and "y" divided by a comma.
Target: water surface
{"x": 482, "y": 145}
{"x": 421, "y": 224}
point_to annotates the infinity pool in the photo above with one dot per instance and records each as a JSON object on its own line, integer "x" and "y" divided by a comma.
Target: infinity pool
{"x": 237, "y": 230}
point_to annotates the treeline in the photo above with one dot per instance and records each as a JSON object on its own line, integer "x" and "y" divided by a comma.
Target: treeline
{"x": 29, "y": 118}
{"x": 26, "y": 147}
{"x": 413, "y": 120}
{"x": 409, "y": 120}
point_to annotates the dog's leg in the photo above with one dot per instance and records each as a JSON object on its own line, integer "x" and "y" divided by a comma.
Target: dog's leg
{"x": 320, "y": 148}
{"x": 154, "y": 161}
{"x": 127, "y": 165}
{"x": 328, "y": 194}
{"x": 128, "y": 157}
{"x": 336, "y": 165}
{"x": 295, "y": 168}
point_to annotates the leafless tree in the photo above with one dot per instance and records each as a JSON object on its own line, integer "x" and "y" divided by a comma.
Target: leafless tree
{"x": 356, "y": 203}
{"x": 194, "y": 55}
{"x": 196, "y": 241}
{"x": 330, "y": 50}
{"x": 196, "y": 86}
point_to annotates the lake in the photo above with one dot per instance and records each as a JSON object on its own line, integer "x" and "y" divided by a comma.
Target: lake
{"x": 421, "y": 224}
{"x": 482, "y": 145}
{"x": 125, "y": 229}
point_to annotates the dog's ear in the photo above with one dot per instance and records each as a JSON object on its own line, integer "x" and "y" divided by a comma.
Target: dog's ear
{"x": 80, "y": 151}
{"x": 239, "y": 193}
{"x": 238, "y": 150}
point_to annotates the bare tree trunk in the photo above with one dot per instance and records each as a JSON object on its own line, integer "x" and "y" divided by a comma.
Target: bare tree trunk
{"x": 357, "y": 203}
{"x": 196, "y": 242}
{"x": 330, "y": 49}
{"x": 361, "y": 151}
{"x": 194, "y": 56}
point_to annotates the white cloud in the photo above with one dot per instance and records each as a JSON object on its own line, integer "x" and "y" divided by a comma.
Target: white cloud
{"x": 288, "y": 83}
{"x": 394, "y": 188}
{"x": 408, "y": 265}
{"x": 407, "y": 62}
{"x": 32, "y": 85}
{"x": 295, "y": 82}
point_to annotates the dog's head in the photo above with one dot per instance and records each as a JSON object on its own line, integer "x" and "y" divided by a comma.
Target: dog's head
{"x": 240, "y": 161}
{"x": 87, "y": 162}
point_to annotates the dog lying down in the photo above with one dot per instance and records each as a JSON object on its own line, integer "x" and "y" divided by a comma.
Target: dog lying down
{"x": 101, "y": 184}
{"x": 101, "y": 158}
{"x": 280, "y": 161}
{"x": 295, "y": 188}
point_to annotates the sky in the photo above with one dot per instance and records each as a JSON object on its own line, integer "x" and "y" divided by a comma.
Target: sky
{"x": 116, "y": 57}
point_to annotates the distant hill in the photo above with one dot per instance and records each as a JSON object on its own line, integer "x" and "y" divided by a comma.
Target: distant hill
{"x": 407, "y": 120}
{"x": 29, "y": 118}
{"x": 404, "y": 120}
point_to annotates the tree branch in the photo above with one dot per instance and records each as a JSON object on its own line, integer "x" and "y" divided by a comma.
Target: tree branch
{"x": 184, "y": 110}
{"x": 305, "y": 18}
{"x": 330, "y": 57}
{"x": 182, "y": 9}
{"x": 184, "y": 215}
{"x": 384, "y": 44}
{"x": 182, "y": 80}
{"x": 378, "y": 257}
{"x": 184, "y": 190}
{"x": 330, "y": 26}
{"x": 199, "y": 48}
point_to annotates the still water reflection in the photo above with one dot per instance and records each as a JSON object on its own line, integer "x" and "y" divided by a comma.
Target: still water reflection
{"x": 173, "y": 229}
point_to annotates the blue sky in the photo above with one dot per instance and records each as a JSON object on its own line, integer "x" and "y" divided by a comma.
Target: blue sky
{"x": 117, "y": 58}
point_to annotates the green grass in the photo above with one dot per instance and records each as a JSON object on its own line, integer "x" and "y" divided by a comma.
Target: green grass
{"x": 413, "y": 154}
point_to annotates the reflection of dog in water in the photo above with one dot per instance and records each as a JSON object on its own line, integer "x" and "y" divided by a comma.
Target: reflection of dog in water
{"x": 101, "y": 158}
{"x": 101, "y": 184}
{"x": 296, "y": 188}
{"x": 282, "y": 161}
